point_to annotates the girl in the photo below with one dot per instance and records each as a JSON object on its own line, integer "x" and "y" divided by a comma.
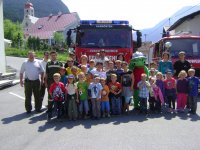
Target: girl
{"x": 160, "y": 83}
{"x": 155, "y": 96}
{"x": 170, "y": 91}
{"x": 72, "y": 98}
{"x": 182, "y": 91}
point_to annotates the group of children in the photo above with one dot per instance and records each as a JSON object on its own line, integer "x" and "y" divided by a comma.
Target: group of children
{"x": 89, "y": 91}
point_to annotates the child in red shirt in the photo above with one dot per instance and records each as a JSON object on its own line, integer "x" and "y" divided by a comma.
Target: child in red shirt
{"x": 56, "y": 91}
{"x": 115, "y": 94}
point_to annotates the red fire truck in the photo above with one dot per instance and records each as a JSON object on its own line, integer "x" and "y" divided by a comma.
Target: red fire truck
{"x": 190, "y": 44}
{"x": 114, "y": 37}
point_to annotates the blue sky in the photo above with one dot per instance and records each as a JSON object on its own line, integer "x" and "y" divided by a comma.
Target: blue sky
{"x": 140, "y": 13}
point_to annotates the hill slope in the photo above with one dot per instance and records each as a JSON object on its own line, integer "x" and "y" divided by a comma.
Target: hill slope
{"x": 14, "y": 9}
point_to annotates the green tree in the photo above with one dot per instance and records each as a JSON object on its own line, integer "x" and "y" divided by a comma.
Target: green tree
{"x": 58, "y": 37}
{"x": 13, "y": 31}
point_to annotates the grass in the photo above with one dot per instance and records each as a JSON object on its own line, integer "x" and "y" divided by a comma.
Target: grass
{"x": 62, "y": 56}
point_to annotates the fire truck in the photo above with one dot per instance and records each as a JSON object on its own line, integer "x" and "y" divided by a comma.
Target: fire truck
{"x": 190, "y": 44}
{"x": 114, "y": 37}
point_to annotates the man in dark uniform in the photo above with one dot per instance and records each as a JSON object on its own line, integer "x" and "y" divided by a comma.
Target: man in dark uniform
{"x": 181, "y": 64}
{"x": 52, "y": 67}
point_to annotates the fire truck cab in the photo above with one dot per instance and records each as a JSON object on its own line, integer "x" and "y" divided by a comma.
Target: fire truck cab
{"x": 114, "y": 37}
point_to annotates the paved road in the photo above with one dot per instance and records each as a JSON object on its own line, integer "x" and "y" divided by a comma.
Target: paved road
{"x": 20, "y": 131}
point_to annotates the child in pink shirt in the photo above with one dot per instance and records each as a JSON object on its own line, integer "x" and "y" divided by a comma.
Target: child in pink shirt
{"x": 156, "y": 96}
{"x": 170, "y": 91}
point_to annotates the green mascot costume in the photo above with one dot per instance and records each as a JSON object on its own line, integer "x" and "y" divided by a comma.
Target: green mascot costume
{"x": 137, "y": 65}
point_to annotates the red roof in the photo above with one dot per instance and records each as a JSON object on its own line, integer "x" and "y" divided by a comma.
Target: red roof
{"x": 45, "y": 27}
{"x": 28, "y": 5}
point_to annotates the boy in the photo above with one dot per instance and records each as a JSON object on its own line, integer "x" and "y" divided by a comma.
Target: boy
{"x": 115, "y": 95}
{"x": 143, "y": 86}
{"x": 193, "y": 91}
{"x": 95, "y": 88}
{"x": 83, "y": 95}
{"x": 105, "y": 105}
{"x": 56, "y": 91}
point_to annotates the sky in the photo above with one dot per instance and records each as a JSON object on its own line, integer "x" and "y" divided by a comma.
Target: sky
{"x": 141, "y": 14}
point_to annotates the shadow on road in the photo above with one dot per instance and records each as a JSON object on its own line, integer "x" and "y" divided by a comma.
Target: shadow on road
{"x": 88, "y": 123}
{"x": 115, "y": 120}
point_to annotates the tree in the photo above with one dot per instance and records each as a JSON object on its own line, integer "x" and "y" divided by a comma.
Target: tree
{"x": 13, "y": 31}
{"x": 58, "y": 37}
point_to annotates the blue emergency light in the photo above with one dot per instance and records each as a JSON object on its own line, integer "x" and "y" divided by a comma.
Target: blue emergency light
{"x": 114, "y": 22}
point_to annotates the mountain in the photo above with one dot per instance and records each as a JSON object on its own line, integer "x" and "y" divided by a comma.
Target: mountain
{"x": 155, "y": 33}
{"x": 14, "y": 9}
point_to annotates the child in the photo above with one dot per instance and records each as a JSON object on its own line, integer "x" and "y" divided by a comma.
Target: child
{"x": 155, "y": 96}
{"x": 95, "y": 88}
{"x": 72, "y": 98}
{"x": 127, "y": 86}
{"x": 193, "y": 91}
{"x": 105, "y": 105}
{"x": 83, "y": 95}
{"x": 170, "y": 90}
{"x": 143, "y": 86}
{"x": 182, "y": 91}
{"x": 115, "y": 95}
{"x": 160, "y": 83}
{"x": 63, "y": 78}
{"x": 56, "y": 91}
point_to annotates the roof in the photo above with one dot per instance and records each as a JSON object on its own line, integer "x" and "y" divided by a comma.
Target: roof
{"x": 45, "y": 27}
{"x": 181, "y": 20}
{"x": 33, "y": 19}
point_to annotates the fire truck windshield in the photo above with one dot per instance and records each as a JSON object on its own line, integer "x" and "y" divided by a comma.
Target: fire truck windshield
{"x": 105, "y": 38}
{"x": 190, "y": 46}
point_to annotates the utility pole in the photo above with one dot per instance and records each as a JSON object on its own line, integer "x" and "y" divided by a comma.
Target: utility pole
{"x": 2, "y": 46}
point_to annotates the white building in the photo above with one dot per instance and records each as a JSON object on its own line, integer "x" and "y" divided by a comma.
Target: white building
{"x": 188, "y": 24}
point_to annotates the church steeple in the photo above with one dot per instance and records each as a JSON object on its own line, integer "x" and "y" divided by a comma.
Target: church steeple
{"x": 28, "y": 9}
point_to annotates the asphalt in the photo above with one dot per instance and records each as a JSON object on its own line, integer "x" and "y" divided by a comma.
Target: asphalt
{"x": 21, "y": 131}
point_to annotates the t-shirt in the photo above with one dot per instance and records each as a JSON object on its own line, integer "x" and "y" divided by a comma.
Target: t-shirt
{"x": 182, "y": 86}
{"x": 126, "y": 78}
{"x": 193, "y": 86}
{"x": 95, "y": 90}
{"x": 71, "y": 89}
{"x": 63, "y": 79}
{"x": 108, "y": 74}
{"x": 170, "y": 83}
{"x": 101, "y": 74}
{"x": 144, "y": 91}
{"x": 52, "y": 68}
{"x": 115, "y": 87}
{"x": 179, "y": 65}
{"x": 104, "y": 93}
{"x": 164, "y": 66}
{"x": 82, "y": 90}
{"x": 119, "y": 73}
{"x": 57, "y": 90}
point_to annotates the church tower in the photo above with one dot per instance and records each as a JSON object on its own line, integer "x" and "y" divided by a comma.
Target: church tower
{"x": 29, "y": 16}
{"x": 28, "y": 9}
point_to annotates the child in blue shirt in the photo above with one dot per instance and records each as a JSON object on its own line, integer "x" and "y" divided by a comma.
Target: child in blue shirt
{"x": 193, "y": 91}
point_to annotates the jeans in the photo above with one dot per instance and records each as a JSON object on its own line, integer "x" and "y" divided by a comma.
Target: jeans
{"x": 116, "y": 105}
{"x": 193, "y": 103}
{"x": 83, "y": 105}
{"x": 105, "y": 105}
{"x": 96, "y": 107}
{"x": 143, "y": 104}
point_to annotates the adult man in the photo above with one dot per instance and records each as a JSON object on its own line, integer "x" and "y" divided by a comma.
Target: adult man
{"x": 103, "y": 57}
{"x": 181, "y": 64}
{"x": 44, "y": 63}
{"x": 32, "y": 69}
{"x": 52, "y": 67}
